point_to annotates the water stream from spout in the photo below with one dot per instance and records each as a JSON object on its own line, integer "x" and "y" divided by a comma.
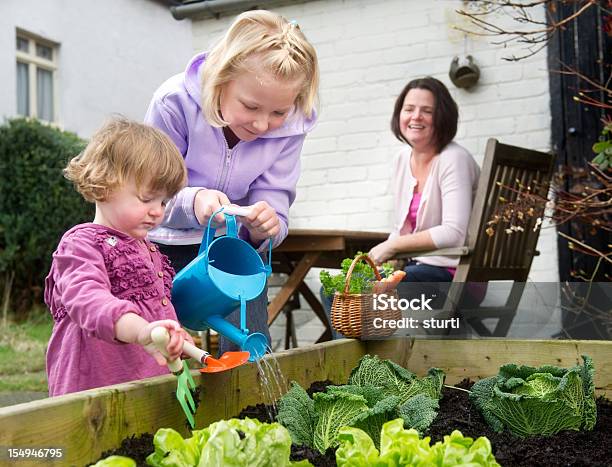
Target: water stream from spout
{"x": 272, "y": 383}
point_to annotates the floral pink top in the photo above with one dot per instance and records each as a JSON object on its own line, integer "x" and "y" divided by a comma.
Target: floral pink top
{"x": 97, "y": 275}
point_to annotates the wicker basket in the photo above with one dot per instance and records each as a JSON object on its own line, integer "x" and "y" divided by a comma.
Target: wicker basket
{"x": 352, "y": 315}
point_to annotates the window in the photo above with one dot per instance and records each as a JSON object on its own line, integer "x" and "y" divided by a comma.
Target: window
{"x": 36, "y": 77}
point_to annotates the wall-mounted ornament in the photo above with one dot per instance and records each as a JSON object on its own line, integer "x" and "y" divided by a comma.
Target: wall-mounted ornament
{"x": 464, "y": 73}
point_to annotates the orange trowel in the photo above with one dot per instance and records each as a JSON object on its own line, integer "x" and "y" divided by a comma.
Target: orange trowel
{"x": 227, "y": 361}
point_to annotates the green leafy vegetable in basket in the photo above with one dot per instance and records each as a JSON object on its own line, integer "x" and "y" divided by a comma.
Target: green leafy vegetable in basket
{"x": 362, "y": 279}
{"x": 399, "y": 446}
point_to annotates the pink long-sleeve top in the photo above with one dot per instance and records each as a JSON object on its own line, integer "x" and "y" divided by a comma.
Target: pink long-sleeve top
{"x": 446, "y": 199}
{"x": 97, "y": 275}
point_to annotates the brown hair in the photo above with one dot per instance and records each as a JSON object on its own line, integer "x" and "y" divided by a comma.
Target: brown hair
{"x": 281, "y": 48}
{"x": 123, "y": 150}
{"x": 445, "y": 112}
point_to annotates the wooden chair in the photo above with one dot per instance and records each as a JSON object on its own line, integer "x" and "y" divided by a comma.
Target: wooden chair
{"x": 507, "y": 172}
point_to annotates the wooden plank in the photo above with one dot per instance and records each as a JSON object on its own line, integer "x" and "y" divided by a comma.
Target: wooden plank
{"x": 311, "y": 243}
{"x": 478, "y": 359}
{"x": 86, "y": 424}
{"x": 352, "y": 234}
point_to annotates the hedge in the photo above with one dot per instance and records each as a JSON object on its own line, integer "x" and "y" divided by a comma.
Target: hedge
{"x": 37, "y": 205}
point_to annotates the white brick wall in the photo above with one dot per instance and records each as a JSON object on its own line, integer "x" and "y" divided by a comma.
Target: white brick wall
{"x": 367, "y": 52}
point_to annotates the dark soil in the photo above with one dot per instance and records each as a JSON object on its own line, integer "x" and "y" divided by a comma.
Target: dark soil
{"x": 138, "y": 448}
{"x": 565, "y": 449}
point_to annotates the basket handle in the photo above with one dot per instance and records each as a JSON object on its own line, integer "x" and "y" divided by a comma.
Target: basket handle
{"x": 368, "y": 260}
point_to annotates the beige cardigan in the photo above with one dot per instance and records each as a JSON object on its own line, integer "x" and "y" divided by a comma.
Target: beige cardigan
{"x": 446, "y": 201}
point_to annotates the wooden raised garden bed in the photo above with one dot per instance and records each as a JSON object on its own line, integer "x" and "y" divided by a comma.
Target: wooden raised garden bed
{"x": 86, "y": 424}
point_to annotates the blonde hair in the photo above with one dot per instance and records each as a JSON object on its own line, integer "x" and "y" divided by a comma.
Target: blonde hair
{"x": 123, "y": 150}
{"x": 284, "y": 52}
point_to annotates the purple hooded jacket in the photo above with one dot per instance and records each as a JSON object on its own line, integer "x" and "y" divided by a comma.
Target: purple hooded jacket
{"x": 266, "y": 169}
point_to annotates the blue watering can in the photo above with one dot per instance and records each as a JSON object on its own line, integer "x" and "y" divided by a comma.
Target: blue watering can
{"x": 226, "y": 274}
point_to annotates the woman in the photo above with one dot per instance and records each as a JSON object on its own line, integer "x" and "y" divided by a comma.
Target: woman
{"x": 434, "y": 181}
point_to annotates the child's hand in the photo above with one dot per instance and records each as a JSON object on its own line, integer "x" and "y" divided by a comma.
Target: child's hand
{"x": 208, "y": 201}
{"x": 174, "y": 349}
{"x": 262, "y": 222}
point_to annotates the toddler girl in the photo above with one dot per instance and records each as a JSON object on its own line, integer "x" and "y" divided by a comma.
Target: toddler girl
{"x": 108, "y": 286}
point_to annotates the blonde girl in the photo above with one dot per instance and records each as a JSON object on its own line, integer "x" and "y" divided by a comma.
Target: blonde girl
{"x": 108, "y": 286}
{"x": 239, "y": 115}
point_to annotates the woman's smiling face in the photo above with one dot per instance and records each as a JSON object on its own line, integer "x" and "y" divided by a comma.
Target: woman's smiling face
{"x": 416, "y": 119}
{"x": 256, "y": 102}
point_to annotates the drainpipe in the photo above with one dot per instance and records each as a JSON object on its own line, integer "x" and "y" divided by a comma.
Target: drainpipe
{"x": 213, "y": 8}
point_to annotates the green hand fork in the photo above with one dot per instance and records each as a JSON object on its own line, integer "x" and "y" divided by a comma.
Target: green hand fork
{"x": 180, "y": 369}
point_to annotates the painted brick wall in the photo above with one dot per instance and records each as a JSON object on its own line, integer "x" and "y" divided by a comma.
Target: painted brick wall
{"x": 368, "y": 50}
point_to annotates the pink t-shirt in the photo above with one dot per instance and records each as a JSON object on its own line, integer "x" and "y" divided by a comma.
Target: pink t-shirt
{"x": 98, "y": 274}
{"x": 411, "y": 219}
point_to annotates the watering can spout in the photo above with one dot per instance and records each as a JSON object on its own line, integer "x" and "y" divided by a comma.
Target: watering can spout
{"x": 256, "y": 343}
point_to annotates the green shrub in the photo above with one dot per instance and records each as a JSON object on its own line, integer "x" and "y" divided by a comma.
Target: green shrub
{"x": 37, "y": 205}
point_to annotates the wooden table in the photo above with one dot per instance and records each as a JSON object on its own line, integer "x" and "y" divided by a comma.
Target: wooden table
{"x": 302, "y": 250}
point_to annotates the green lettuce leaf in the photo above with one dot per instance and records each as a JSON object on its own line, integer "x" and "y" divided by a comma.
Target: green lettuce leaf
{"x": 115, "y": 461}
{"x": 228, "y": 443}
{"x": 399, "y": 446}
{"x": 172, "y": 450}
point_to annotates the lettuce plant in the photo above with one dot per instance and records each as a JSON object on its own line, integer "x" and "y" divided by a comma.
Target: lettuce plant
{"x": 399, "y": 446}
{"x": 115, "y": 461}
{"x": 229, "y": 443}
{"x": 378, "y": 391}
{"x": 538, "y": 401}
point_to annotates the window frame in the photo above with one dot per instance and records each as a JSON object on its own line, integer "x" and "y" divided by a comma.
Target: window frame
{"x": 34, "y": 62}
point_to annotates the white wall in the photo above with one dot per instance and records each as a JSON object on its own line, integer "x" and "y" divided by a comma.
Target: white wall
{"x": 113, "y": 54}
{"x": 368, "y": 50}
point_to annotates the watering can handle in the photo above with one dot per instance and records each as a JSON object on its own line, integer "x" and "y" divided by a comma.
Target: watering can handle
{"x": 160, "y": 338}
{"x": 240, "y": 211}
{"x": 209, "y": 235}
{"x": 230, "y": 212}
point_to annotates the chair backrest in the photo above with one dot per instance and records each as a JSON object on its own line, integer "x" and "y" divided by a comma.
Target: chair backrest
{"x": 507, "y": 171}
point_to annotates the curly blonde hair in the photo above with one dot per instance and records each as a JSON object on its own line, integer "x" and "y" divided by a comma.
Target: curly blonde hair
{"x": 281, "y": 48}
{"x": 124, "y": 150}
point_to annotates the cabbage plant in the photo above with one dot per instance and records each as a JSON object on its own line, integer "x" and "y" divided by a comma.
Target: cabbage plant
{"x": 538, "y": 401}
{"x": 377, "y": 391}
